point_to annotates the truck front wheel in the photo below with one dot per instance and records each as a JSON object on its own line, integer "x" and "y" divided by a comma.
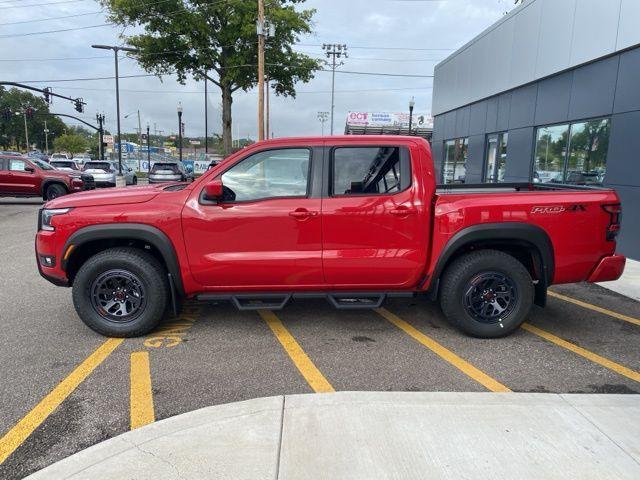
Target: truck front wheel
{"x": 486, "y": 293}
{"x": 121, "y": 292}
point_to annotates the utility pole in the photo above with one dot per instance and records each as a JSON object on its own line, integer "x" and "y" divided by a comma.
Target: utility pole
{"x": 268, "y": 110}
{"x": 116, "y": 49}
{"x": 206, "y": 118}
{"x": 180, "y": 129}
{"x": 46, "y": 138}
{"x": 260, "y": 29}
{"x": 334, "y": 51}
{"x": 26, "y": 130}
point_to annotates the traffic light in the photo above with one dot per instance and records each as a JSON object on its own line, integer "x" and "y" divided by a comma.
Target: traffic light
{"x": 79, "y": 105}
{"x": 29, "y": 112}
{"x": 47, "y": 97}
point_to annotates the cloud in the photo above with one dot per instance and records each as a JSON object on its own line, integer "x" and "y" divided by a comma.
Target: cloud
{"x": 357, "y": 23}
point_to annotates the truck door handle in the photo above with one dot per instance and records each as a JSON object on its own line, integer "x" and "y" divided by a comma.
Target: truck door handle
{"x": 403, "y": 211}
{"x": 302, "y": 213}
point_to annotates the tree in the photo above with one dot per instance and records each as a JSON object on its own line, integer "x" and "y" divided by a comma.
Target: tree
{"x": 16, "y": 101}
{"x": 197, "y": 37}
{"x": 71, "y": 144}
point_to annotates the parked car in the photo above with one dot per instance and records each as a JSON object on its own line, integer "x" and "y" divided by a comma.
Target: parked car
{"x": 355, "y": 220}
{"x": 65, "y": 165}
{"x": 104, "y": 172}
{"x": 31, "y": 177}
{"x": 60, "y": 156}
{"x": 162, "y": 172}
{"x": 82, "y": 158}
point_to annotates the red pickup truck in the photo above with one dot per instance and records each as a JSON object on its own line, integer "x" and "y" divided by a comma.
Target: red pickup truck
{"x": 32, "y": 177}
{"x": 353, "y": 219}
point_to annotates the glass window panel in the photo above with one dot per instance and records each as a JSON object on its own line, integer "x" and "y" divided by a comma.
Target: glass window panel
{"x": 454, "y": 167}
{"x": 370, "y": 170}
{"x": 502, "y": 158}
{"x": 551, "y": 149}
{"x": 587, "y": 161}
{"x": 492, "y": 154}
{"x": 274, "y": 173}
{"x": 16, "y": 165}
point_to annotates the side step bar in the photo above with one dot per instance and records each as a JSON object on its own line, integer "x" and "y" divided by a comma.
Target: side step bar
{"x": 277, "y": 301}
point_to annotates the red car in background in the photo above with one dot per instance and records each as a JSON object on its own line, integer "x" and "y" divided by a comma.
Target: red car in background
{"x": 31, "y": 177}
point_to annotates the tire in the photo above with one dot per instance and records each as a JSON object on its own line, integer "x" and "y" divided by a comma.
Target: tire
{"x": 145, "y": 281}
{"x": 486, "y": 294}
{"x": 54, "y": 190}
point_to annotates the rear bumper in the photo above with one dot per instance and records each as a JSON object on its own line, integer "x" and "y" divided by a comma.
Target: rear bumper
{"x": 610, "y": 268}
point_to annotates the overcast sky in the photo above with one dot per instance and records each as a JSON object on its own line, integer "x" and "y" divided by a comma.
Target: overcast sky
{"x": 440, "y": 25}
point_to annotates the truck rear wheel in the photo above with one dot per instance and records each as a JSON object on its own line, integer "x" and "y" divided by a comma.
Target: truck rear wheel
{"x": 121, "y": 292}
{"x": 486, "y": 293}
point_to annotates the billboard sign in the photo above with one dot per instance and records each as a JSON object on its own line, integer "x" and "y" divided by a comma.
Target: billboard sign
{"x": 387, "y": 119}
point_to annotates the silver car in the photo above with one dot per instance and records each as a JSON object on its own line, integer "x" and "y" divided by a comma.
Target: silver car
{"x": 169, "y": 172}
{"x": 104, "y": 173}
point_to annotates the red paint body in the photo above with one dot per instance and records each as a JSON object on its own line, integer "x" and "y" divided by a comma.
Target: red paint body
{"x": 378, "y": 242}
{"x": 30, "y": 184}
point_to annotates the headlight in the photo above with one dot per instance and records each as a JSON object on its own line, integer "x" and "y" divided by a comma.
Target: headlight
{"x": 47, "y": 215}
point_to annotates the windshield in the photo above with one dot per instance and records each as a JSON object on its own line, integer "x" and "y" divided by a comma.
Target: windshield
{"x": 60, "y": 164}
{"x": 41, "y": 164}
{"x": 106, "y": 166}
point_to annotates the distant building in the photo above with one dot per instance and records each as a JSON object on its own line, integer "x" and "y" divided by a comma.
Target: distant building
{"x": 378, "y": 123}
{"x": 549, "y": 93}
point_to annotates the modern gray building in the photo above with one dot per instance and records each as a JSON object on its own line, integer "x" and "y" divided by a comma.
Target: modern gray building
{"x": 549, "y": 93}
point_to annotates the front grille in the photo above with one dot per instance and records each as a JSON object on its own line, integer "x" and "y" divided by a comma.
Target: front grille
{"x": 88, "y": 183}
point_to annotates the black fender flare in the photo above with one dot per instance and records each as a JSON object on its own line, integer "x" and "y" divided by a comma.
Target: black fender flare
{"x": 134, "y": 231}
{"x": 48, "y": 181}
{"x": 521, "y": 233}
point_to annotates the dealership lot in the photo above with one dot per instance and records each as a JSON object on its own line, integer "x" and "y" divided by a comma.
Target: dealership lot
{"x": 66, "y": 388}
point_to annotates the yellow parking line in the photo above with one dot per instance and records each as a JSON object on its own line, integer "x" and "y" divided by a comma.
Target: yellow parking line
{"x": 595, "y": 308}
{"x": 444, "y": 353}
{"x": 141, "y": 398}
{"x": 32, "y": 420}
{"x": 309, "y": 371}
{"x": 583, "y": 352}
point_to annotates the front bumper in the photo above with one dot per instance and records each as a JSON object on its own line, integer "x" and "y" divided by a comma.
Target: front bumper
{"x": 609, "y": 268}
{"x": 54, "y": 274}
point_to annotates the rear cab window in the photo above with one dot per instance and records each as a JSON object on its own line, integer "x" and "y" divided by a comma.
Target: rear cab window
{"x": 369, "y": 170}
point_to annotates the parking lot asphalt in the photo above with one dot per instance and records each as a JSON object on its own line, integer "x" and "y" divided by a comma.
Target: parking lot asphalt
{"x": 66, "y": 388}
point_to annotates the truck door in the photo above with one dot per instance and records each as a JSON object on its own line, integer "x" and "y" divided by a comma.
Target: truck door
{"x": 374, "y": 226}
{"x": 265, "y": 232}
{"x": 20, "y": 180}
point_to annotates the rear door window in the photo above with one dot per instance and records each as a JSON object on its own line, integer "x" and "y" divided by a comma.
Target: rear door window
{"x": 16, "y": 165}
{"x": 369, "y": 170}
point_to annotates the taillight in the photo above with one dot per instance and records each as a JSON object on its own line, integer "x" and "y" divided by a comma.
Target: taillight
{"x": 615, "y": 219}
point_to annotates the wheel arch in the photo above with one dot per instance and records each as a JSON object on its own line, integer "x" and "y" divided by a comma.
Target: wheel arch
{"x": 50, "y": 181}
{"x": 89, "y": 240}
{"x": 530, "y": 244}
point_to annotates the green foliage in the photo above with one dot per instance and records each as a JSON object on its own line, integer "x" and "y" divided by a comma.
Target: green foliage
{"x": 217, "y": 39}
{"x": 71, "y": 143}
{"x": 12, "y": 131}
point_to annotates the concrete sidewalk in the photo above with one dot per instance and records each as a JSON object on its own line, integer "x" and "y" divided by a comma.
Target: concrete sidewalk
{"x": 379, "y": 435}
{"x": 629, "y": 283}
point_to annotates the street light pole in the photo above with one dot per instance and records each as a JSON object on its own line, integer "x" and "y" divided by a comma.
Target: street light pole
{"x": 412, "y": 103}
{"x": 148, "y": 151}
{"x": 100, "y": 119}
{"x": 46, "y": 138}
{"x": 26, "y": 130}
{"x": 334, "y": 51}
{"x": 180, "y": 129}
{"x": 116, "y": 49}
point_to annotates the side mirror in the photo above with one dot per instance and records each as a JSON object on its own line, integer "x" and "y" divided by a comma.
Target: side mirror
{"x": 29, "y": 169}
{"x": 213, "y": 190}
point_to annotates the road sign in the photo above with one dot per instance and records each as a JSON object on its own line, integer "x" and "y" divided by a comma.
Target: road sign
{"x": 194, "y": 142}
{"x": 108, "y": 139}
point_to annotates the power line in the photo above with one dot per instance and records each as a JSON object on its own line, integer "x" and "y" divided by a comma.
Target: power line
{"x": 42, "y": 4}
{"x": 29, "y": 34}
{"x": 51, "y": 18}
